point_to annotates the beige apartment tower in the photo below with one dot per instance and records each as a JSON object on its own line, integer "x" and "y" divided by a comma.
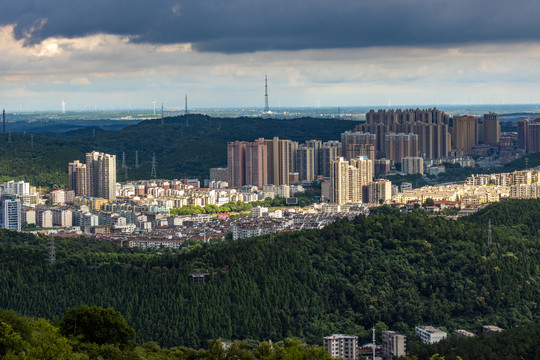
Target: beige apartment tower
{"x": 281, "y": 159}
{"x": 394, "y": 344}
{"x": 347, "y": 179}
{"x": 78, "y": 178}
{"x": 464, "y": 134}
{"x": 101, "y": 175}
{"x": 492, "y": 129}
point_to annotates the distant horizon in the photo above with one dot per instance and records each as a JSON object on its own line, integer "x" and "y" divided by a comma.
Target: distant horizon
{"x": 272, "y": 110}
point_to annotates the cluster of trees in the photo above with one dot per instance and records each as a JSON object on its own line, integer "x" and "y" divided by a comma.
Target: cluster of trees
{"x": 91, "y": 332}
{"x": 232, "y": 206}
{"x": 304, "y": 199}
{"x": 396, "y": 270}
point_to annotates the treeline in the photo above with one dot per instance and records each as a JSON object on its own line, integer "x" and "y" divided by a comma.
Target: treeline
{"x": 390, "y": 269}
{"x": 95, "y": 333}
{"x": 304, "y": 199}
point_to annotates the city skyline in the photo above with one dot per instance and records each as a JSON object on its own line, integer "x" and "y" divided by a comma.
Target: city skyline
{"x": 102, "y": 55}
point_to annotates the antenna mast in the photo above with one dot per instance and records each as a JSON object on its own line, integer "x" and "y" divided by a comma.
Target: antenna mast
{"x": 162, "y": 114}
{"x": 266, "y": 108}
{"x": 136, "y": 158}
{"x": 374, "y": 343}
{"x": 185, "y": 108}
{"x": 4, "y": 119}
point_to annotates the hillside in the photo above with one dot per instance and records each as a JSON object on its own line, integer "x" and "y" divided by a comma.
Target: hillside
{"x": 395, "y": 270}
{"x": 185, "y": 146}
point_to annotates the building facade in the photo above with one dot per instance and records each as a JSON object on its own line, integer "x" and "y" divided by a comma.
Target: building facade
{"x": 429, "y": 334}
{"x": 492, "y": 129}
{"x": 394, "y": 345}
{"x": 101, "y": 175}
{"x": 341, "y": 346}
{"x": 347, "y": 179}
{"x": 464, "y": 133}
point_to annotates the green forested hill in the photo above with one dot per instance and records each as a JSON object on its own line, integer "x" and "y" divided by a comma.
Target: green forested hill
{"x": 185, "y": 146}
{"x": 393, "y": 270}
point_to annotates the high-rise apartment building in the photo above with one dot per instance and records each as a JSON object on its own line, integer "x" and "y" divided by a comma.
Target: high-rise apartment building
{"x": 464, "y": 133}
{"x": 316, "y": 146}
{"x": 327, "y": 154}
{"x": 10, "y": 212}
{"x": 412, "y": 165}
{"x": 347, "y": 179}
{"x": 523, "y": 134}
{"x": 256, "y": 162}
{"x": 394, "y": 345}
{"x": 305, "y": 163}
{"x": 101, "y": 175}
{"x": 77, "y": 178}
{"x": 431, "y": 126}
{"x": 350, "y": 140}
{"x": 281, "y": 159}
{"x": 341, "y": 346}
{"x": 398, "y": 146}
{"x": 379, "y": 191}
{"x": 492, "y": 129}
{"x": 247, "y": 163}
{"x": 236, "y": 159}
{"x": 533, "y": 137}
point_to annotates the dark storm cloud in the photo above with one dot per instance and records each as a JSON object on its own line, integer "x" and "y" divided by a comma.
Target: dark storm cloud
{"x": 236, "y": 26}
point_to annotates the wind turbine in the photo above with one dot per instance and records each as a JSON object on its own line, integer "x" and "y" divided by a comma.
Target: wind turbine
{"x": 154, "y": 102}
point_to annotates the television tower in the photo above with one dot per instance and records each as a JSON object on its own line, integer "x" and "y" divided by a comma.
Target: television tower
{"x": 185, "y": 108}
{"x": 4, "y": 119}
{"x": 266, "y": 108}
{"x": 136, "y": 158}
{"x": 162, "y": 114}
{"x": 63, "y": 107}
{"x": 124, "y": 160}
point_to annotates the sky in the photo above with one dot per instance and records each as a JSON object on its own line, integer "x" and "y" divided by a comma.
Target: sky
{"x": 120, "y": 54}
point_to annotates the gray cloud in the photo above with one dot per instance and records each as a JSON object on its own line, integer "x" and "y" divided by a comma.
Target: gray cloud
{"x": 238, "y": 26}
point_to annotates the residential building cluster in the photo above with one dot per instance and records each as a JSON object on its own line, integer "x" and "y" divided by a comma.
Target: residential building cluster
{"x": 394, "y": 344}
{"x": 96, "y": 178}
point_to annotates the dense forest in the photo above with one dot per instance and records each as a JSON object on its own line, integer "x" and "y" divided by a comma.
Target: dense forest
{"x": 390, "y": 269}
{"x": 184, "y": 146}
{"x": 89, "y": 332}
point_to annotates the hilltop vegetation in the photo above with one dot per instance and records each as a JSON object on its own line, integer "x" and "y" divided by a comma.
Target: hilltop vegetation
{"x": 96, "y": 333}
{"x": 393, "y": 270}
{"x": 185, "y": 146}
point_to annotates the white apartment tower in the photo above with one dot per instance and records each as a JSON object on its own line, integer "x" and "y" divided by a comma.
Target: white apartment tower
{"x": 347, "y": 179}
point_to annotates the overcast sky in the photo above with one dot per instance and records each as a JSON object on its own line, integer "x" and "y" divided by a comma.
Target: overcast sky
{"x": 128, "y": 53}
